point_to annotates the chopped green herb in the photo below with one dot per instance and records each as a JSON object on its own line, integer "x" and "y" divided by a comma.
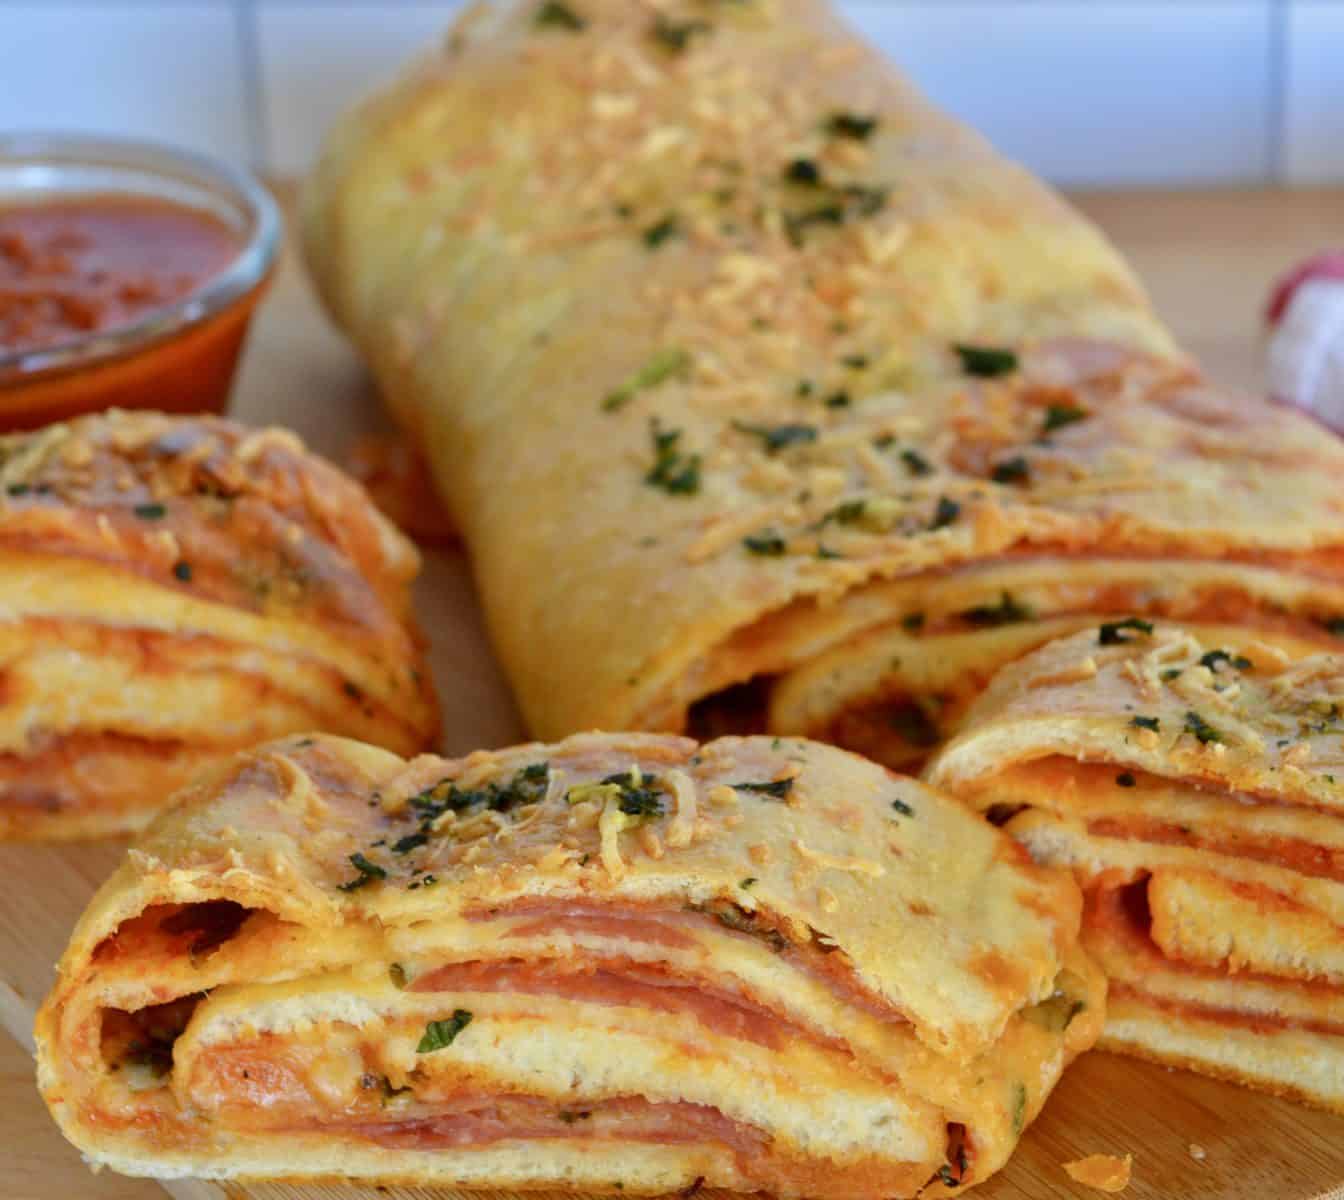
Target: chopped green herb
{"x": 803, "y": 170}
{"x": 795, "y": 224}
{"x": 916, "y": 463}
{"x": 986, "y": 362}
{"x": 804, "y": 387}
{"x": 664, "y": 365}
{"x": 527, "y": 786}
{"x": 855, "y": 362}
{"x": 1019, "y": 1107}
{"x": 555, "y": 15}
{"x": 903, "y": 808}
{"x": 848, "y": 512}
{"x": 767, "y": 543}
{"x": 182, "y": 571}
{"x": 1057, "y": 416}
{"x": 838, "y": 399}
{"x": 440, "y": 1034}
{"x": 1217, "y": 658}
{"x": 749, "y": 882}
{"x": 655, "y": 235}
{"x": 945, "y": 513}
{"x": 1197, "y": 725}
{"x": 676, "y": 473}
{"x": 368, "y": 871}
{"x": 1125, "y": 780}
{"x": 570, "y": 1117}
{"x": 18, "y": 489}
{"x": 779, "y": 437}
{"x": 639, "y": 795}
{"x": 1146, "y": 723}
{"x": 397, "y": 973}
{"x": 409, "y": 843}
{"x": 884, "y": 441}
{"x": 150, "y": 512}
{"x": 776, "y": 789}
{"x": 1111, "y": 633}
{"x": 850, "y": 125}
{"x": 1012, "y": 470}
{"x": 1170, "y": 673}
{"x": 676, "y": 35}
{"x": 912, "y": 622}
{"x": 1005, "y": 612}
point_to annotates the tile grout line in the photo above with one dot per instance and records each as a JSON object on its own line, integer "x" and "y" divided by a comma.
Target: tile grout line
{"x": 254, "y": 91}
{"x": 1277, "y": 98}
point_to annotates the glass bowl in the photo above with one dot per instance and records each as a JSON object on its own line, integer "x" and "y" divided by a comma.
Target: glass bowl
{"x": 176, "y": 358}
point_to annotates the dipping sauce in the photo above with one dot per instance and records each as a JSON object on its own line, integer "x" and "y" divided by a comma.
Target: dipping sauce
{"x": 69, "y": 268}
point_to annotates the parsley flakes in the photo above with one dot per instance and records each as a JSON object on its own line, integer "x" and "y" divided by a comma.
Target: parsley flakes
{"x": 850, "y": 125}
{"x": 441, "y": 1034}
{"x": 778, "y": 437}
{"x": 664, "y": 364}
{"x": 675, "y": 473}
{"x": 368, "y": 871}
{"x": 555, "y": 15}
{"x": 985, "y": 362}
{"x": 1057, "y": 416}
{"x": 1202, "y": 730}
{"x": 1111, "y": 633}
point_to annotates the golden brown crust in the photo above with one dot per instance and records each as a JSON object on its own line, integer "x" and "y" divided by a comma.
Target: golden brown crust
{"x": 1194, "y": 787}
{"x": 178, "y": 589}
{"x": 682, "y": 350}
{"x": 734, "y": 900}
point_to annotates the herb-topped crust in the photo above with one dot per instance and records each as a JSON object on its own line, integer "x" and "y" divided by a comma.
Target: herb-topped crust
{"x": 1196, "y": 788}
{"x": 664, "y": 291}
{"x": 194, "y": 585}
{"x": 857, "y": 978}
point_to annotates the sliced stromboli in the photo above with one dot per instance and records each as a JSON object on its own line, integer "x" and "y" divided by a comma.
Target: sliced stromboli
{"x": 1197, "y": 790}
{"x": 177, "y": 589}
{"x": 736, "y": 361}
{"x": 621, "y": 960}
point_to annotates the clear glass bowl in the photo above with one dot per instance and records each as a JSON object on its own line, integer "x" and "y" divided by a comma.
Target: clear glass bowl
{"x": 179, "y": 357}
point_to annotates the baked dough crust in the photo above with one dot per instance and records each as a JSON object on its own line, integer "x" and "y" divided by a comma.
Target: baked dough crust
{"x": 176, "y": 589}
{"x": 840, "y": 982}
{"x": 1196, "y": 789}
{"x": 701, "y": 320}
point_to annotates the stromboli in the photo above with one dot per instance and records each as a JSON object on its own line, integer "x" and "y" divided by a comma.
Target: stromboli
{"x": 737, "y": 361}
{"x": 176, "y": 589}
{"x": 619, "y": 960}
{"x": 1195, "y": 788}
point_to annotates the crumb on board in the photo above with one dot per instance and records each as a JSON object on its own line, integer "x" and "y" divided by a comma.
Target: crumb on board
{"x": 1105, "y": 1172}
{"x": 1197, "y": 1152}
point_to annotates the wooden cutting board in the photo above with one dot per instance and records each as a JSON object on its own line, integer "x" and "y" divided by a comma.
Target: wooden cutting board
{"x": 1190, "y": 1137}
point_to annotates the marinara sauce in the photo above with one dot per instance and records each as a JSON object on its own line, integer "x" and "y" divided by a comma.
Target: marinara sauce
{"x": 80, "y": 267}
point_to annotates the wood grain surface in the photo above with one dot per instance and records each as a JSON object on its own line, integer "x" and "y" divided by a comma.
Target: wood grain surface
{"x": 1208, "y": 258}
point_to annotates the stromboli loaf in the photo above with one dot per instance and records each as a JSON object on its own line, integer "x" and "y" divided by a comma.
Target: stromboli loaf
{"x": 737, "y": 361}
{"x": 177, "y": 589}
{"x": 617, "y": 961}
{"x": 1196, "y": 789}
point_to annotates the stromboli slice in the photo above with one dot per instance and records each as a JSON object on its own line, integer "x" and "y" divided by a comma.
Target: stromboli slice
{"x": 765, "y": 964}
{"x": 176, "y": 589}
{"x": 716, "y": 336}
{"x": 1197, "y": 790}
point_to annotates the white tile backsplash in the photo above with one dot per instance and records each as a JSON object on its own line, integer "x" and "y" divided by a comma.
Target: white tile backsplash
{"x": 1313, "y": 144}
{"x": 173, "y": 72}
{"x": 1091, "y": 93}
{"x": 315, "y": 60}
{"x": 1088, "y": 92}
